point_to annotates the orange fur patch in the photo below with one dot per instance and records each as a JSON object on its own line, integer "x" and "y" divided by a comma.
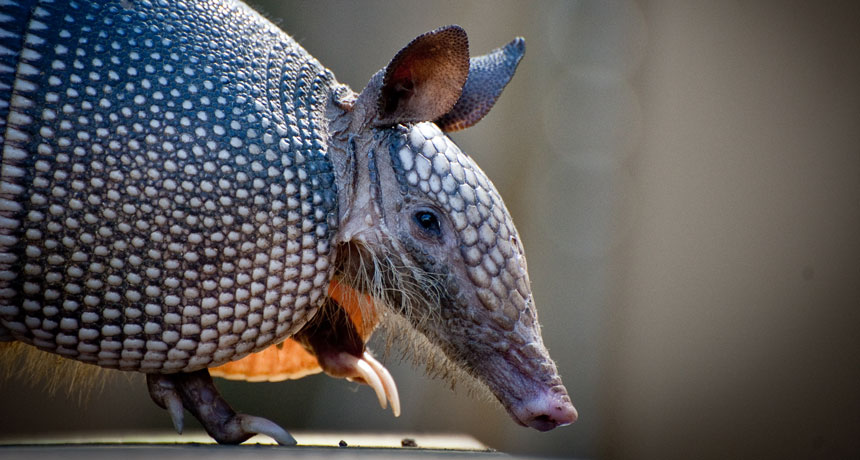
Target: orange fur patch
{"x": 358, "y": 306}
{"x": 285, "y": 361}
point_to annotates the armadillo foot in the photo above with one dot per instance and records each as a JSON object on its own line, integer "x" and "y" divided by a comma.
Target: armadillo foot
{"x": 196, "y": 392}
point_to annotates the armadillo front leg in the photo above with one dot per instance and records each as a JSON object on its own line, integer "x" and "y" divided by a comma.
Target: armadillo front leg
{"x": 196, "y": 392}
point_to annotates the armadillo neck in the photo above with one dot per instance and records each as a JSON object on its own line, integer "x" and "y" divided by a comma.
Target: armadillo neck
{"x": 166, "y": 197}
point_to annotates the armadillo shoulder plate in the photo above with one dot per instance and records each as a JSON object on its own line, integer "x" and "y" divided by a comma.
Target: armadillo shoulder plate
{"x": 166, "y": 197}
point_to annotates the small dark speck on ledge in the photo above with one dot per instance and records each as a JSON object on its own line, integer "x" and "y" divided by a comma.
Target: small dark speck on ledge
{"x": 342, "y": 443}
{"x": 408, "y": 442}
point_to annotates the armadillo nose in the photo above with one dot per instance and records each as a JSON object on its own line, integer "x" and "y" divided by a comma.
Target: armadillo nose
{"x": 546, "y": 413}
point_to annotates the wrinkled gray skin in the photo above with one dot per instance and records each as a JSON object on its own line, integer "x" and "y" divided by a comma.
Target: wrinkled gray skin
{"x": 180, "y": 194}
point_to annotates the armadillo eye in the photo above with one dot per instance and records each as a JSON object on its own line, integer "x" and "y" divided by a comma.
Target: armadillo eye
{"x": 428, "y": 222}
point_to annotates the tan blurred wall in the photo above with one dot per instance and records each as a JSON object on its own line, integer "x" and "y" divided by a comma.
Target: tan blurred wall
{"x": 735, "y": 318}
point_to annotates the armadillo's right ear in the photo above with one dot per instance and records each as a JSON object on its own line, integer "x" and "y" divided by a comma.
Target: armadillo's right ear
{"x": 425, "y": 78}
{"x": 488, "y": 76}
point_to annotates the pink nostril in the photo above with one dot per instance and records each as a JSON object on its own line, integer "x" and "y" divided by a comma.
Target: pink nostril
{"x": 544, "y": 414}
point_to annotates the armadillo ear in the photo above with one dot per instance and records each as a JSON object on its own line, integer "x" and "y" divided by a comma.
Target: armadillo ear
{"x": 425, "y": 79}
{"x": 488, "y": 76}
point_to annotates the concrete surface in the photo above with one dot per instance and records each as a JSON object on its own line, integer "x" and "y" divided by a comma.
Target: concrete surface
{"x": 312, "y": 445}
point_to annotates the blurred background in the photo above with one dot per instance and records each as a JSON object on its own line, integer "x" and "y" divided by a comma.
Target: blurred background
{"x": 685, "y": 177}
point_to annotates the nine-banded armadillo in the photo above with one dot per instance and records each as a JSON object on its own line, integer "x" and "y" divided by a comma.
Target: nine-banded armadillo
{"x": 184, "y": 187}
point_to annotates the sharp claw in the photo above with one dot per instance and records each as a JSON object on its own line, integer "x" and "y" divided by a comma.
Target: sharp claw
{"x": 196, "y": 392}
{"x": 163, "y": 391}
{"x": 387, "y": 383}
{"x": 368, "y": 373}
{"x": 260, "y": 425}
{"x": 173, "y": 404}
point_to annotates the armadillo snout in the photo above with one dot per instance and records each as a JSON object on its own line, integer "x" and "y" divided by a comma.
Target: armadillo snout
{"x": 545, "y": 411}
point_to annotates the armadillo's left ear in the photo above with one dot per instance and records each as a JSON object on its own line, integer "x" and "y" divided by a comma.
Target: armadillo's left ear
{"x": 425, "y": 78}
{"x": 488, "y": 76}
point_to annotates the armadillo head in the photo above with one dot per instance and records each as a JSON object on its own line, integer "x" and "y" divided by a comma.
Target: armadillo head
{"x": 424, "y": 231}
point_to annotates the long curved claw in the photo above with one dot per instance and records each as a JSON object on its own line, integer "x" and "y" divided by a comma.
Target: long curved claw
{"x": 368, "y": 374}
{"x": 163, "y": 393}
{"x": 196, "y": 392}
{"x": 388, "y": 384}
{"x": 371, "y": 372}
{"x": 174, "y": 408}
{"x": 260, "y": 425}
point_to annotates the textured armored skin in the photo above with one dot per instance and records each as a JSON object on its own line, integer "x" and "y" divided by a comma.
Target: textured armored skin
{"x": 163, "y": 211}
{"x": 426, "y": 159}
{"x": 185, "y": 189}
